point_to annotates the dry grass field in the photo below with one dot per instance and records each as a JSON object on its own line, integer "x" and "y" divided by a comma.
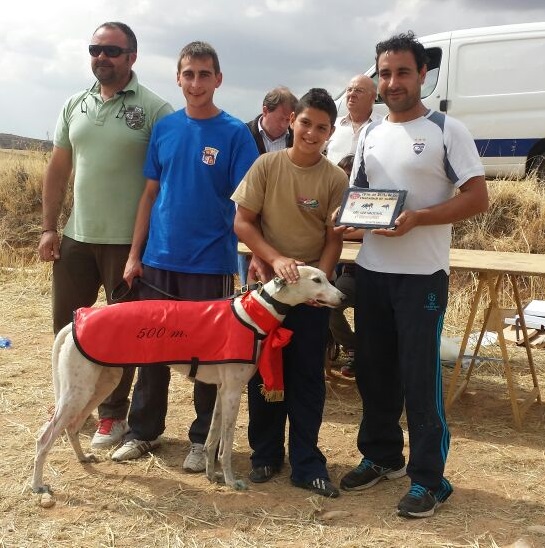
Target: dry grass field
{"x": 497, "y": 472}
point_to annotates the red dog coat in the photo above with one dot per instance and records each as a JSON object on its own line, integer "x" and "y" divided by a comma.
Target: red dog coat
{"x": 143, "y": 333}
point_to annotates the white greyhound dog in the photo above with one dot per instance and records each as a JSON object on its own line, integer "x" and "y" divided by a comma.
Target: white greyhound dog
{"x": 81, "y": 385}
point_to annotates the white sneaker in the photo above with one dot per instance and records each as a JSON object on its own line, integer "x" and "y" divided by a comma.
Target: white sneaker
{"x": 196, "y": 459}
{"x": 109, "y": 433}
{"x": 134, "y": 449}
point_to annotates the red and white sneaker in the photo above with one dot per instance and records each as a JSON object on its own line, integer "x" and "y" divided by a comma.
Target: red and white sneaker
{"x": 109, "y": 433}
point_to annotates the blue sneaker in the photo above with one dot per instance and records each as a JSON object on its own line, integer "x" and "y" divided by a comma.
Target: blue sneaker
{"x": 444, "y": 491}
{"x": 421, "y": 502}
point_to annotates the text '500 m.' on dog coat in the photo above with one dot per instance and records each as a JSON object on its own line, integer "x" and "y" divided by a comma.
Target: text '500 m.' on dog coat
{"x": 145, "y": 333}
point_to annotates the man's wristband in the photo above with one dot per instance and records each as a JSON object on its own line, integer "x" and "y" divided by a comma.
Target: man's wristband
{"x": 49, "y": 230}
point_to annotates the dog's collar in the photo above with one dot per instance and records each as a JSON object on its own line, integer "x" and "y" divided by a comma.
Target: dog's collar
{"x": 246, "y": 288}
{"x": 281, "y": 308}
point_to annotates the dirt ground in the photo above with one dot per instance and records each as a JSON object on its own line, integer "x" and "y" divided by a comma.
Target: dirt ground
{"x": 497, "y": 471}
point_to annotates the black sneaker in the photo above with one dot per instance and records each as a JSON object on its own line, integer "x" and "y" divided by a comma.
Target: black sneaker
{"x": 320, "y": 486}
{"x": 367, "y": 474}
{"x": 261, "y": 474}
{"x": 421, "y": 502}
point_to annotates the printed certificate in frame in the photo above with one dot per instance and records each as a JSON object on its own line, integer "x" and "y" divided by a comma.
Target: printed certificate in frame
{"x": 370, "y": 208}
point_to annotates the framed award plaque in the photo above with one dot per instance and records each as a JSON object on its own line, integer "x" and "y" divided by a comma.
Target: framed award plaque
{"x": 370, "y": 208}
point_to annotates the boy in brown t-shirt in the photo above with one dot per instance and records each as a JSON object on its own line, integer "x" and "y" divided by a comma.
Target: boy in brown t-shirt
{"x": 285, "y": 203}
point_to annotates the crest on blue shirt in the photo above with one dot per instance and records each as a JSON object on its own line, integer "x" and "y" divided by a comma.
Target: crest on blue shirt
{"x": 209, "y": 155}
{"x": 419, "y": 147}
{"x": 135, "y": 117}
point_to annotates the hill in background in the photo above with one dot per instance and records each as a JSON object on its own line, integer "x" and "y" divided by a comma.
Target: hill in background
{"x": 15, "y": 142}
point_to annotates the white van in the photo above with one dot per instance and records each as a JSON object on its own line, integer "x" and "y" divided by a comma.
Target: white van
{"x": 493, "y": 80}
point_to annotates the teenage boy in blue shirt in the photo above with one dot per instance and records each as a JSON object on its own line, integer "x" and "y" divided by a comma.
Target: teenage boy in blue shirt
{"x": 184, "y": 227}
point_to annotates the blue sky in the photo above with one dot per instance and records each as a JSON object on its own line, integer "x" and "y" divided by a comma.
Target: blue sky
{"x": 261, "y": 43}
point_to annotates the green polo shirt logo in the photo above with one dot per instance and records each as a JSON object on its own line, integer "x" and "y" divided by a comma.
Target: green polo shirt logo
{"x": 135, "y": 117}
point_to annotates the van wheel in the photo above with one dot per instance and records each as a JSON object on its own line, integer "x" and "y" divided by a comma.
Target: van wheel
{"x": 537, "y": 167}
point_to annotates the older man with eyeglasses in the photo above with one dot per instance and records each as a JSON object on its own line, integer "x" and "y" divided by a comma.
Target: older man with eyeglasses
{"x": 100, "y": 140}
{"x": 361, "y": 93}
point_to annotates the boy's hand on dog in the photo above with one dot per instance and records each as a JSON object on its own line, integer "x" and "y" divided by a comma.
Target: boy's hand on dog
{"x": 286, "y": 267}
{"x": 283, "y": 267}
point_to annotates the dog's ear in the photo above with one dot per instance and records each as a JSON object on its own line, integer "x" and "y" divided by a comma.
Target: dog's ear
{"x": 279, "y": 282}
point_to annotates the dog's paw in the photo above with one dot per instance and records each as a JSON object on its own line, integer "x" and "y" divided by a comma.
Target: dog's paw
{"x": 240, "y": 485}
{"x": 47, "y": 499}
{"x": 88, "y": 457}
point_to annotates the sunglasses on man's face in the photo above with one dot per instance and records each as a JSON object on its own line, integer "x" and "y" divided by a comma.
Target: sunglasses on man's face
{"x": 109, "y": 51}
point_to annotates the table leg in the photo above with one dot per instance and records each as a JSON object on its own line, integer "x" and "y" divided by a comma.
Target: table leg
{"x": 493, "y": 284}
{"x": 535, "y": 394}
{"x": 511, "y": 389}
{"x": 453, "y": 393}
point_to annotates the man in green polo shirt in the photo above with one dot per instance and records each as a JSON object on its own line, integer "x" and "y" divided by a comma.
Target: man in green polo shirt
{"x": 101, "y": 140}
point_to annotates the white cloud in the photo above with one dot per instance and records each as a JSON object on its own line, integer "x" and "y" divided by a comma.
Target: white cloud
{"x": 402, "y": 12}
{"x": 261, "y": 43}
{"x": 253, "y": 12}
{"x": 285, "y": 6}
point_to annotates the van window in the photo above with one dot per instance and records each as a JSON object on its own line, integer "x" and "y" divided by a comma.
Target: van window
{"x": 434, "y": 55}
